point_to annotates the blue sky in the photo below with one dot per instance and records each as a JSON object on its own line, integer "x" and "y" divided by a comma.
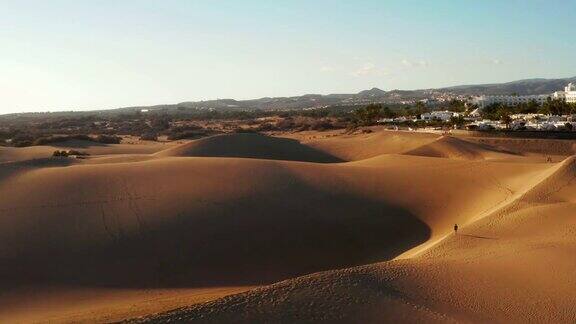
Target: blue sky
{"x": 64, "y": 55}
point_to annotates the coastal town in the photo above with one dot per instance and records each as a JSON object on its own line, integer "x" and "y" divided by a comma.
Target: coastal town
{"x": 545, "y": 112}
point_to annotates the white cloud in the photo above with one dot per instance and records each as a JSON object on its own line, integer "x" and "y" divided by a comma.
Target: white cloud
{"x": 411, "y": 64}
{"x": 362, "y": 59}
{"x": 496, "y": 61}
{"x": 407, "y": 63}
{"x": 368, "y": 69}
{"x": 327, "y": 68}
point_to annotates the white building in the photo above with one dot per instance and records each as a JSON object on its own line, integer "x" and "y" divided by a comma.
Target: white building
{"x": 475, "y": 113}
{"x": 530, "y": 116}
{"x": 439, "y": 115}
{"x": 569, "y": 93}
{"x": 487, "y": 124}
{"x": 483, "y": 101}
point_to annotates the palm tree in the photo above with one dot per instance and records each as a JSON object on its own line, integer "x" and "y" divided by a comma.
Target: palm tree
{"x": 506, "y": 119}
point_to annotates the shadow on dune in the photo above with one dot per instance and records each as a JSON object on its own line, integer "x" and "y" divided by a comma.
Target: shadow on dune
{"x": 8, "y": 169}
{"x": 255, "y": 146}
{"x": 479, "y": 237}
{"x": 495, "y": 149}
{"x": 77, "y": 144}
{"x": 267, "y": 238}
{"x": 453, "y": 147}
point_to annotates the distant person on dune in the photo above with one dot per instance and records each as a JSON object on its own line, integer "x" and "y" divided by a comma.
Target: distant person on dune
{"x": 455, "y": 228}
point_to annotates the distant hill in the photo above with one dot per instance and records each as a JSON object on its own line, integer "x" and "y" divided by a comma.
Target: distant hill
{"x": 374, "y": 92}
{"x": 374, "y": 95}
{"x": 521, "y": 87}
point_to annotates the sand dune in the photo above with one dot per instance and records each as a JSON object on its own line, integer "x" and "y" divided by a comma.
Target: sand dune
{"x": 12, "y": 154}
{"x": 514, "y": 265}
{"x": 192, "y": 221}
{"x": 186, "y": 218}
{"x": 250, "y": 146}
{"x": 364, "y": 146}
{"x": 528, "y": 145}
{"x": 74, "y": 304}
{"x": 187, "y": 222}
{"x": 456, "y": 148}
{"x": 177, "y": 205}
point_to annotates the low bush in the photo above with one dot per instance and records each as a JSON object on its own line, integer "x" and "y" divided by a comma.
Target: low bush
{"x": 58, "y": 139}
{"x": 149, "y": 137}
{"x": 108, "y": 139}
{"x": 266, "y": 127}
{"x": 242, "y": 130}
{"x": 64, "y": 153}
{"x": 191, "y": 134}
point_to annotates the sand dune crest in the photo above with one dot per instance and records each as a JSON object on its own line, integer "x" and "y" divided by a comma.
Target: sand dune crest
{"x": 250, "y": 146}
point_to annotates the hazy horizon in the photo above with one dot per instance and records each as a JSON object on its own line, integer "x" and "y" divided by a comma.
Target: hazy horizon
{"x": 67, "y": 55}
{"x": 152, "y": 104}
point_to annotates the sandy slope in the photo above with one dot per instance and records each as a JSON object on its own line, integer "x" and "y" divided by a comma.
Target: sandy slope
{"x": 523, "y": 146}
{"x": 190, "y": 220}
{"x": 77, "y": 304}
{"x": 183, "y": 222}
{"x": 250, "y": 146}
{"x": 312, "y": 216}
{"x": 187, "y": 218}
{"x": 513, "y": 265}
{"x": 363, "y": 146}
{"x": 11, "y": 154}
{"x": 456, "y": 148}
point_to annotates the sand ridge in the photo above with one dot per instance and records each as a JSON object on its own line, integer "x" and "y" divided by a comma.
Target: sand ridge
{"x": 233, "y": 211}
{"x": 246, "y": 145}
{"x": 13, "y": 154}
{"x": 456, "y": 148}
{"x": 364, "y": 146}
{"x": 513, "y": 265}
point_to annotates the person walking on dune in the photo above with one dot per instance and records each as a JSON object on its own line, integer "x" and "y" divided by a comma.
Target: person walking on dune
{"x": 455, "y": 228}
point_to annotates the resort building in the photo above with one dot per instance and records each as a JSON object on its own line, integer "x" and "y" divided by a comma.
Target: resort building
{"x": 569, "y": 93}
{"x": 439, "y": 115}
{"x": 483, "y": 101}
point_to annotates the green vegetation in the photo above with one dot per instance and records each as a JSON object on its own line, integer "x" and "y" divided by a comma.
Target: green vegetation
{"x": 181, "y": 122}
{"x": 457, "y": 105}
{"x": 68, "y": 153}
{"x": 23, "y": 139}
{"x": 368, "y": 115}
{"x": 551, "y": 106}
{"x": 505, "y": 119}
{"x": 457, "y": 121}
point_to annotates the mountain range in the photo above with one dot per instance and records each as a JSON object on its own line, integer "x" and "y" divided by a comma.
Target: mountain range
{"x": 374, "y": 95}
{"x": 520, "y": 87}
